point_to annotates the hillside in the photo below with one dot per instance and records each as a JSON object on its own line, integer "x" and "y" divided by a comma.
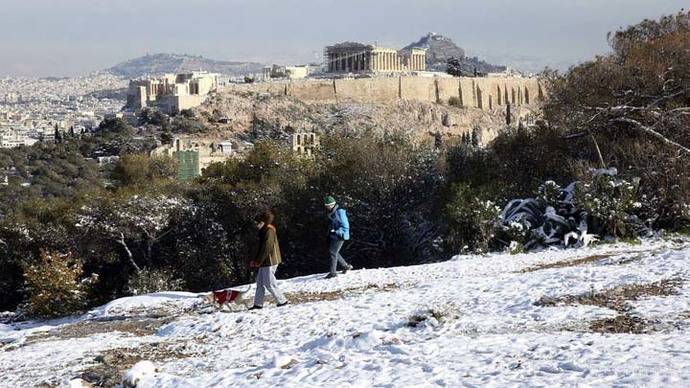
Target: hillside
{"x": 253, "y": 116}
{"x": 174, "y": 63}
{"x": 608, "y": 315}
{"x": 440, "y": 49}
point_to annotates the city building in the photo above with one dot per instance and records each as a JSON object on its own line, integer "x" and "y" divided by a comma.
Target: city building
{"x": 172, "y": 92}
{"x": 353, "y": 57}
{"x": 289, "y": 72}
{"x": 34, "y": 106}
{"x": 11, "y": 137}
{"x": 195, "y": 154}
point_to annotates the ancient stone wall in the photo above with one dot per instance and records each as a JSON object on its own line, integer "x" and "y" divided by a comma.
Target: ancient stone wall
{"x": 316, "y": 90}
{"x": 380, "y": 90}
{"x": 486, "y": 93}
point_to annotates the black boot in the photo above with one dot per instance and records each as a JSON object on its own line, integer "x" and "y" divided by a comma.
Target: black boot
{"x": 347, "y": 268}
{"x": 255, "y": 307}
{"x": 331, "y": 275}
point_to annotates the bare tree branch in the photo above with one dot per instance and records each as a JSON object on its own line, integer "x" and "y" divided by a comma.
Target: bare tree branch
{"x": 123, "y": 243}
{"x": 651, "y": 131}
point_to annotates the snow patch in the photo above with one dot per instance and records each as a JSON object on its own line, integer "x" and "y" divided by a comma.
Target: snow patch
{"x": 137, "y": 373}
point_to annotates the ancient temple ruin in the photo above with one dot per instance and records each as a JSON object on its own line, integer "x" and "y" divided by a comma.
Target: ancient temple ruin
{"x": 353, "y": 57}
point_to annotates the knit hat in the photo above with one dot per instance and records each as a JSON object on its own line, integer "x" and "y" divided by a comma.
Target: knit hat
{"x": 329, "y": 201}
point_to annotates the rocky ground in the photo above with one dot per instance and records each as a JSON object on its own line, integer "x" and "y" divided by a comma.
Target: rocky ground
{"x": 253, "y": 116}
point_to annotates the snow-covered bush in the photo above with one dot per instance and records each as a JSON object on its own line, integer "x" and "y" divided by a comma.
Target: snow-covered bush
{"x": 55, "y": 286}
{"x": 610, "y": 202}
{"x": 133, "y": 220}
{"x": 471, "y": 219}
{"x": 148, "y": 281}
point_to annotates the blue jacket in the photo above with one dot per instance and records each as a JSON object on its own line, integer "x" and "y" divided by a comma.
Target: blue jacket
{"x": 340, "y": 226}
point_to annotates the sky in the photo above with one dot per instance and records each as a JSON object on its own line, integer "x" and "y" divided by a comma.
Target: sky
{"x": 74, "y": 37}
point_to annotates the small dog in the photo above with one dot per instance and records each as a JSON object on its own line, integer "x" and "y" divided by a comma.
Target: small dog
{"x": 228, "y": 295}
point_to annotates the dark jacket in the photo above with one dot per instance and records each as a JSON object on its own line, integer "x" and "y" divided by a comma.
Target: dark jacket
{"x": 268, "y": 253}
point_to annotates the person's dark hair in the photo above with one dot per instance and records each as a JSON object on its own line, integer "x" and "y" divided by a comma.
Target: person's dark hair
{"x": 266, "y": 217}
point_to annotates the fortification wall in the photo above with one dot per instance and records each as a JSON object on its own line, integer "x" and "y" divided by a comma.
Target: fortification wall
{"x": 447, "y": 88}
{"x": 418, "y": 88}
{"x": 485, "y": 93}
{"x": 381, "y": 90}
{"x": 312, "y": 90}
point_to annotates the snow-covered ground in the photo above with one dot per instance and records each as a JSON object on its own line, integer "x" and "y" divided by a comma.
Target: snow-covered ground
{"x": 469, "y": 321}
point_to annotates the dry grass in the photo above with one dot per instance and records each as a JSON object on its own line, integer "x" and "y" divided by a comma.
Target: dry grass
{"x": 307, "y": 297}
{"x": 111, "y": 364}
{"x": 621, "y": 324}
{"x": 617, "y": 299}
{"x": 135, "y": 326}
{"x": 566, "y": 263}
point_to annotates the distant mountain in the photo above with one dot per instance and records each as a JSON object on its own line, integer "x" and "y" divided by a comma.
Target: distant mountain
{"x": 439, "y": 49}
{"x": 174, "y": 63}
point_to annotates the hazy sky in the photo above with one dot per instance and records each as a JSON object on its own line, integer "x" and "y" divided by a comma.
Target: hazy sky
{"x": 69, "y": 37}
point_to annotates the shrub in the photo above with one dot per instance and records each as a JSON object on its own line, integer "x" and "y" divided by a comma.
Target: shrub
{"x": 149, "y": 280}
{"x": 115, "y": 125}
{"x": 184, "y": 124}
{"x": 455, "y": 101}
{"x": 54, "y": 286}
{"x": 140, "y": 169}
{"x": 471, "y": 217}
{"x": 610, "y": 202}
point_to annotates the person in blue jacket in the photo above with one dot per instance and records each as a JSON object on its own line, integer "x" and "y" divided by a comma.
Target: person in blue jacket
{"x": 338, "y": 233}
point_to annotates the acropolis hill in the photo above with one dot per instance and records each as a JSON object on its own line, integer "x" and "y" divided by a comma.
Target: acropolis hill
{"x": 362, "y": 87}
{"x": 411, "y": 104}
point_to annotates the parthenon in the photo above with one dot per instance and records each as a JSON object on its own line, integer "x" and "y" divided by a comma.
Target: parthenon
{"x": 352, "y": 57}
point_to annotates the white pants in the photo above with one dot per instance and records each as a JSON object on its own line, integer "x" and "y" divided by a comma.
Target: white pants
{"x": 266, "y": 278}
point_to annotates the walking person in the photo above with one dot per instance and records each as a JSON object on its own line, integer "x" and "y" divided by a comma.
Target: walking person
{"x": 338, "y": 233}
{"x": 267, "y": 260}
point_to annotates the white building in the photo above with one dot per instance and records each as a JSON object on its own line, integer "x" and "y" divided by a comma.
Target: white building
{"x": 11, "y": 138}
{"x": 172, "y": 92}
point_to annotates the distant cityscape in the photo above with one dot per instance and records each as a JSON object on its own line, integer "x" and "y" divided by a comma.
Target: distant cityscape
{"x": 32, "y": 109}
{"x": 36, "y": 109}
